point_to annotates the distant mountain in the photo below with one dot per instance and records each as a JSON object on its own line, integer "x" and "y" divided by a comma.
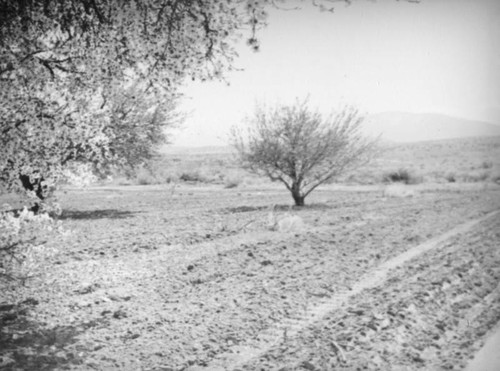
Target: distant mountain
{"x": 416, "y": 127}
{"x": 393, "y": 127}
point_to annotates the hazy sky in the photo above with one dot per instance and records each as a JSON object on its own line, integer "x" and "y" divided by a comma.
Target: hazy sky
{"x": 437, "y": 56}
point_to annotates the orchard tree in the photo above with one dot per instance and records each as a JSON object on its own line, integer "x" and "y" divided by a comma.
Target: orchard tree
{"x": 95, "y": 81}
{"x": 137, "y": 127}
{"x": 38, "y": 151}
{"x": 301, "y": 148}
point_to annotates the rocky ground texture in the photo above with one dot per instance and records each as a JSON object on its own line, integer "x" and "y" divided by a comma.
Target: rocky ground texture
{"x": 194, "y": 279}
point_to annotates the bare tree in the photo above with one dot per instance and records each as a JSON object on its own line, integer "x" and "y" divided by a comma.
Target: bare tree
{"x": 301, "y": 148}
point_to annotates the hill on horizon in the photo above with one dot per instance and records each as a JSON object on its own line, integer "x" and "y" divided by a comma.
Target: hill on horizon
{"x": 404, "y": 127}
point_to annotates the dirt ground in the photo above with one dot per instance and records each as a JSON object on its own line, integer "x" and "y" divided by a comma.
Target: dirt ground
{"x": 192, "y": 278}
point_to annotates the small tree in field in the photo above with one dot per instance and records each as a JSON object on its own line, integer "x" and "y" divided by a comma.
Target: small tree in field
{"x": 301, "y": 148}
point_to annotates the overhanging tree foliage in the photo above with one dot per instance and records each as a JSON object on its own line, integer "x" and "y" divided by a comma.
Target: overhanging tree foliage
{"x": 136, "y": 126}
{"x": 67, "y": 68}
{"x": 300, "y": 148}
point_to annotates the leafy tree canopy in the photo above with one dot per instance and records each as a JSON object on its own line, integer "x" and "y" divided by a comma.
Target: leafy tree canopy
{"x": 95, "y": 80}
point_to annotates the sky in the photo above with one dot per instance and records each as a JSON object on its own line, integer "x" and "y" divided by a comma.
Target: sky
{"x": 439, "y": 56}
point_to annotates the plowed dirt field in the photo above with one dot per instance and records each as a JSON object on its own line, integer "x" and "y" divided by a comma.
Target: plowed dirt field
{"x": 193, "y": 278}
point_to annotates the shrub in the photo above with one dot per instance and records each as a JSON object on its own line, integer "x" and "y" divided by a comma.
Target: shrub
{"x": 232, "y": 182}
{"x": 285, "y": 222}
{"x": 476, "y": 177}
{"x": 495, "y": 178}
{"x": 451, "y": 178}
{"x": 163, "y": 175}
{"x": 144, "y": 177}
{"x": 23, "y": 254}
{"x": 170, "y": 178}
{"x": 192, "y": 176}
{"x": 402, "y": 176}
{"x": 155, "y": 175}
{"x": 486, "y": 165}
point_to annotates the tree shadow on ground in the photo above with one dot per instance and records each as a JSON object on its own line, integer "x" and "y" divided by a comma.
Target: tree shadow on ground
{"x": 278, "y": 207}
{"x": 96, "y": 214}
{"x": 244, "y": 209}
{"x": 26, "y": 345}
{"x": 314, "y": 206}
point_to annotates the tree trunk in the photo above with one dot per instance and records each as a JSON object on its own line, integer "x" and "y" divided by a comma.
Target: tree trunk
{"x": 36, "y": 186}
{"x": 298, "y": 198}
{"x": 297, "y": 195}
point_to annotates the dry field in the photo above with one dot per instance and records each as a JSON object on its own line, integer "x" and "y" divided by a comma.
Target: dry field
{"x": 467, "y": 160}
{"x": 191, "y": 277}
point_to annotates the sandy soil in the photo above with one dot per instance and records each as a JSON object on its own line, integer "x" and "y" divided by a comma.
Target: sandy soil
{"x": 153, "y": 278}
